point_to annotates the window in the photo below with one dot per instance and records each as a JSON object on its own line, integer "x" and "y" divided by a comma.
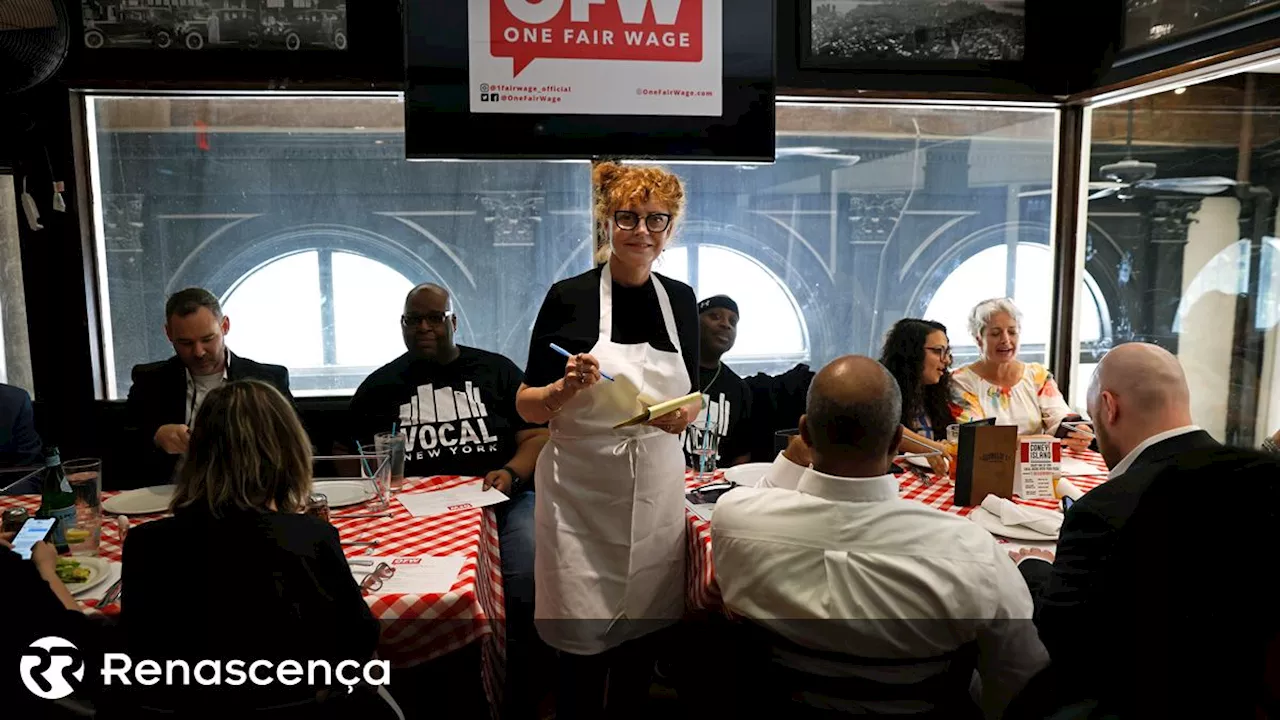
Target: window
{"x": 15, "y": 352}
{"x": 976, "y": 278}
{"x": 771, "y": 331}
{"x": 323, "y": 314}
{"x": 303, "y": 216}
{"x": 1185, "y": 264}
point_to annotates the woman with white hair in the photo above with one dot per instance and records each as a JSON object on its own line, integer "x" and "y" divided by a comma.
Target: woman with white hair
{"x": 998, "y": 385}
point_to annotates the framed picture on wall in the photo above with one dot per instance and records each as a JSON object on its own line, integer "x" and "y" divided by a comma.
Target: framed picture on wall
{"x": 898, "y": 34}
{"x": 289, "y": 25}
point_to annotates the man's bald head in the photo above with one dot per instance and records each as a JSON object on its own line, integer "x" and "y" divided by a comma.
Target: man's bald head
{"x": 434, "y": 292}
{"x": 853, "y": 415}
{"x": 1138, "y": 390}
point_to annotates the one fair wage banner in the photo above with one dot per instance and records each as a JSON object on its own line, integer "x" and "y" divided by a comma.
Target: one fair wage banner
{"x": 596, "y": 57}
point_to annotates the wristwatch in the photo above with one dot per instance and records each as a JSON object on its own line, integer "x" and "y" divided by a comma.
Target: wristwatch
{"x": 517, "y": 482}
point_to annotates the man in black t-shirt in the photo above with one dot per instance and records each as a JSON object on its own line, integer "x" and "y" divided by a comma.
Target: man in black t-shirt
{"x": 456, "y": 407}
{"x": 729, "y": 408}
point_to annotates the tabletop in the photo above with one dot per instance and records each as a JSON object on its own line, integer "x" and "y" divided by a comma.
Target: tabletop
{"x": 415, "y": 628}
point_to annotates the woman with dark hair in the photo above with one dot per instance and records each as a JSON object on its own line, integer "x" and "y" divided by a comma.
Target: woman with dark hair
{"x": 918, "y": 354}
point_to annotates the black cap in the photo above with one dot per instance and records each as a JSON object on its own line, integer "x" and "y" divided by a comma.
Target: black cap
{"x": 718, "y": 301}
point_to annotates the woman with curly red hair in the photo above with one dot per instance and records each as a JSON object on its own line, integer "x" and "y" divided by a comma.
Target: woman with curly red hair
{"x": 609, "y": 565}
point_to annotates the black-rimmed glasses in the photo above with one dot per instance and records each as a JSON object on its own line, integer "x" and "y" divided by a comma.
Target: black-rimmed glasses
{"x": 373, "y": 581}
{"x": 653, "y": 222}
{"x": 435, "y": 319}
{"x": 942, "y": 351}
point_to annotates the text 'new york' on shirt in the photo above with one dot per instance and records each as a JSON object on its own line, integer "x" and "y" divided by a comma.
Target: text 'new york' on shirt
{"x": 457, "y": 419}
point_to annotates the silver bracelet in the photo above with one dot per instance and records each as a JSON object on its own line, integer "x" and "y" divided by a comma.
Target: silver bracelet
{"x": 1269, "y": 445}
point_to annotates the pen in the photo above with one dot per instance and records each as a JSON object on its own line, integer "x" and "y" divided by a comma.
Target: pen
{"x": 568, "y": 354}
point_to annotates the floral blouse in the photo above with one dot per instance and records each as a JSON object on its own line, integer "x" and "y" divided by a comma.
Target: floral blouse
{"x": 1034, "y": 404}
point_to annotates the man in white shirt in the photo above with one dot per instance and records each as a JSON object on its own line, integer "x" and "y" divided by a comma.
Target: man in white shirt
{"x": 841, "y": 565}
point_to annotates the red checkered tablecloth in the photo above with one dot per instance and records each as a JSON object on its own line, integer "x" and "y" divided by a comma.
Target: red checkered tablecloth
{"x": 415, "y": 628}
{"x": 701, "y": 588}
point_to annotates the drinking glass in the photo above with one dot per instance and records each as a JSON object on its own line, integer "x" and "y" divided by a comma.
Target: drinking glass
{"x": 85, "y": 478}
{"x": 952, "y": 447}
{"x": 393, "y": 445}
{"x": 706, "y": 447}
{"x": 782, "y": 438}
{"x": 380, "y": 463}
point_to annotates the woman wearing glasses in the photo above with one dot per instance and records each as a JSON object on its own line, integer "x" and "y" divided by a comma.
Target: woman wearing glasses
{"x": 610, "y": 503}
{"x": 918, "y": 354}
{"x": 999, "y": 385}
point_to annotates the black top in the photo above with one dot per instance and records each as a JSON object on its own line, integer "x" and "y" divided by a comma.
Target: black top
{"x": 777, "y": 402}
{"x": 570, "y": 318}
{"x": 729, "y": 411}
{"x": 459, "y": 418}
{"x": 251, "y": 586}
{"x": 19, "y": 444}
{"x": 31, "y": 611}
{"x": 159, "y": 396}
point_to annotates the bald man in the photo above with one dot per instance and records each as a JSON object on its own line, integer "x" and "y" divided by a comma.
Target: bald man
{"x": 456, "y": 407}
{"x": 849, "y": 577}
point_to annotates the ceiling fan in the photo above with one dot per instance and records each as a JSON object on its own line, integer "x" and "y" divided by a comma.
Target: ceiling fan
{"x": 1128, "y": 178}
{"x": 821, "y": 153}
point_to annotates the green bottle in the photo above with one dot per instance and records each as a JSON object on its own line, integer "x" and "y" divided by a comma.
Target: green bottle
{"x": 57, "y": 500}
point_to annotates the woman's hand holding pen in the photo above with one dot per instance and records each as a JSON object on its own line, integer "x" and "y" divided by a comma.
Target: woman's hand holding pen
{"x": 580, "y": 372}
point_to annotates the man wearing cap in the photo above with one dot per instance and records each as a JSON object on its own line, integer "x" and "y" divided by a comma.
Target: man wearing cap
{"x": 727, "y": 398}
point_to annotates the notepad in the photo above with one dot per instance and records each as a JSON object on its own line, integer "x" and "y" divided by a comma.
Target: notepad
{"x": 661, "y": 409}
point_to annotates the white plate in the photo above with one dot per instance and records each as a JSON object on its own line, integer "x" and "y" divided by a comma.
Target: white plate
{"x": 920, "y": 462}
{"x": 992, "y": 524}
{"x": 342, "y": 493}
{"x": 99, "y": 571}
{"x": 747, "y": 474}
{"x": 141, "y": 501}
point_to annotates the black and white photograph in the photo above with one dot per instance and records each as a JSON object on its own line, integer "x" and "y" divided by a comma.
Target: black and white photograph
{"x": 200, "y": 24}
{"x": 867, "y": 32}
{"x": 1147, "y": 21}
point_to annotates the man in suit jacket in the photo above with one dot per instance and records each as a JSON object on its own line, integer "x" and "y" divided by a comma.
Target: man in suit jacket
{"x": 166, "y": 395}
{"x": 1141, "y": 409}
{"x": 20, "y": 446}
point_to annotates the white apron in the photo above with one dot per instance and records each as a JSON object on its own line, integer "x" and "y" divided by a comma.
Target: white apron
{"x": 610, "y": 520}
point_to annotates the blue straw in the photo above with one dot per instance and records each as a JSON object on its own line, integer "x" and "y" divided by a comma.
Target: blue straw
{"x": 360, "y": 447}
{"x": 568, "y": 354}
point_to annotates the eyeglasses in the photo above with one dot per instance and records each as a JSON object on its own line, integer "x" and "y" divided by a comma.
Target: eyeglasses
{"x": 942, "y": 351}
{"x": 435, "y": 319}
{"x": 654, "y": 222}
{"x": 373, "y": 581}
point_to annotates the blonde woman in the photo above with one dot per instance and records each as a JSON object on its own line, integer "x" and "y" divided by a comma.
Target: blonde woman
{"x": 999, "y": 385}
{"x": 238, "y": 572}
{"x": 609, "y": 565}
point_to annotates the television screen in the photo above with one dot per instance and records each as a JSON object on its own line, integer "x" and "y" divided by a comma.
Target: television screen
{"x": 574, "y": 79}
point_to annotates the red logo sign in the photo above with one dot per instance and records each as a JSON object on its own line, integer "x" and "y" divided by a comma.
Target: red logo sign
{"x": 407, "y": 561}
{"x": 652, "y": 30}
{"x": 463, "y": 506}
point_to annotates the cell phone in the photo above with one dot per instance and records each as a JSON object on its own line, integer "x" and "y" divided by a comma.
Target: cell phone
{"x": 1067, "y": 503}
{"x": 32, "y": 531}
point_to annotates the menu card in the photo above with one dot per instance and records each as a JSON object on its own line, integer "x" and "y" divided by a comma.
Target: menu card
{"x": 1039, "y": 467}
{"x": 986, "y": 461}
